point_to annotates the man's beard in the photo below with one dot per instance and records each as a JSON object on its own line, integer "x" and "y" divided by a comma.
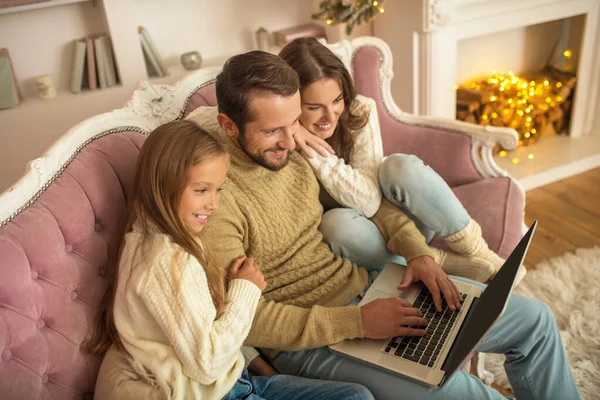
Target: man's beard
{"x": 261, "y": 159}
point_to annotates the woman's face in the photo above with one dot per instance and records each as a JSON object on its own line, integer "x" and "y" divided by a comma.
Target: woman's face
{"x": 322, "y": 105}
{"x": 200, "y": 197}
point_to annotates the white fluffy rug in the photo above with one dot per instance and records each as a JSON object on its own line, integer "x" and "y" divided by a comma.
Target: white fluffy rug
{"x": 570, "y": 285}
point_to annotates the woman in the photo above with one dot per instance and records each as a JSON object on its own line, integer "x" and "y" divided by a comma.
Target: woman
{"x": 355, "y": 175}
{"x": 177, "y": 319}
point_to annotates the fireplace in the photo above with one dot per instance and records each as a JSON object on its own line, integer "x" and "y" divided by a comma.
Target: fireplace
{"x": 523, "y": 78}
{"x": 437, "y": 44}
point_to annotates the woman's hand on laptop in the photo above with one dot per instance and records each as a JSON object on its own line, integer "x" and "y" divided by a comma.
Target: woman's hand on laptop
{"x": 385, "y": 318}
{"x": 426, "y": 270}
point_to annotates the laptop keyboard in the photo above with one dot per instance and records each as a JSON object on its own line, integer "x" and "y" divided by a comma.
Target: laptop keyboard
{"x": 425, "y": 349}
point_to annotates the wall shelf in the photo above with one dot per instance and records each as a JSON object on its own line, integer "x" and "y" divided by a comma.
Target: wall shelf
{"x": 36, "y": 6}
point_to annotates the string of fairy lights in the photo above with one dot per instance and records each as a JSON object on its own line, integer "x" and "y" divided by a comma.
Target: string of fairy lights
{"x": 350, "y": 12}
{"x": 519, "y": 102}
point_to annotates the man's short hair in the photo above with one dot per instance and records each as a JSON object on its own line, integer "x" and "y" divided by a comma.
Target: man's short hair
{"x": 255, "y": 72}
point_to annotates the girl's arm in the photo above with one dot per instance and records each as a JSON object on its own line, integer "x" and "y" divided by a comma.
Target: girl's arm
{"x": 355, "y": 185}
{"x": 207, "y": 347}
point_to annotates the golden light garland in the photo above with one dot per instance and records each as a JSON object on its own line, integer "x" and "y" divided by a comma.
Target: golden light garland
{"x": 519, "y": 102}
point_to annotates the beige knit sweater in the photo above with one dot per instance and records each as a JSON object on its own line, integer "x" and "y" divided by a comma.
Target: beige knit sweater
{"x": 274, "y": 217}
{"x": 168, "y": 325}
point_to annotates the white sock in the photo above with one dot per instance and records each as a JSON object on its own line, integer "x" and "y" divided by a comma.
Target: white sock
{"x": 469, "y": 242}
{"x": 461, "y": 265}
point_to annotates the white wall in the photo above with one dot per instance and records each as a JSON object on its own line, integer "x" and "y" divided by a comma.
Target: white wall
{"x": 215, "y": 28}
{"x": 398, "y": 31}
{"x": 520, "y": 50}
{"x": 40, "y": 41}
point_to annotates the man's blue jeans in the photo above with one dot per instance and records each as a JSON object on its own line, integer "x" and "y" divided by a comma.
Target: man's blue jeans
{"x": 527, "y": 334}
{"x": 285, "y": 387}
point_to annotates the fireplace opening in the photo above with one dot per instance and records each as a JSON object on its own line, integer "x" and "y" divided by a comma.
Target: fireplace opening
{"x": 524, "y": 78}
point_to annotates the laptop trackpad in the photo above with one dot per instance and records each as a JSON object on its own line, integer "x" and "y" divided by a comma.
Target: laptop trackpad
{"x": 379, "y": 294}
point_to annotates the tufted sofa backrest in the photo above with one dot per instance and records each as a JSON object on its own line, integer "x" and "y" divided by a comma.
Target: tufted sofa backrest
{"x": 56, "y": 255}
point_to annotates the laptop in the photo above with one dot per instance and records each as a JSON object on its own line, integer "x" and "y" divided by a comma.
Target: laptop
{"x": 452, "y": 336}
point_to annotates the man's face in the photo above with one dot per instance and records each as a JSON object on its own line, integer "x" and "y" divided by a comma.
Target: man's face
{"x": 269, "y": 138}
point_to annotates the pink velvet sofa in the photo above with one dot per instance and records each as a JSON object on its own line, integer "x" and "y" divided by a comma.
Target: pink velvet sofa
{"x": 58, "y": 224}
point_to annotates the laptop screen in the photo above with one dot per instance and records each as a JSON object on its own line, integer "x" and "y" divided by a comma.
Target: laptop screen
{"x": 488, "y": 308}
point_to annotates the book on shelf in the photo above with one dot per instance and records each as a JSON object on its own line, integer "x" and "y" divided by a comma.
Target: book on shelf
{"x": 8, "y": 90}
{"x": 155, "y": 65}
{"x": 150, "y": 69}
{"x": 4, "y": 53}
{"x": 77, "y": 71}
{"x": 111, "y": 69}
{"x": 91, "y": 63}
{"x": 285, "y": 36}
{"x": 100, "y": 61}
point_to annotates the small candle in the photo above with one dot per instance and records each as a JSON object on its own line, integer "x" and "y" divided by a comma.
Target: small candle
{"x": 44, "y": 85}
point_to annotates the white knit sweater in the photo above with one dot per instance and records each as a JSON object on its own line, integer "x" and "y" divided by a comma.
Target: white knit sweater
{"x": 355, "y": 185}
{"x": 182, "y": 347}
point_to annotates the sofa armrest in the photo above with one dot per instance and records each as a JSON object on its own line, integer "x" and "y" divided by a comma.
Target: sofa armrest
{"x": 482, "y": 139}
{"x": 459, "y": 152}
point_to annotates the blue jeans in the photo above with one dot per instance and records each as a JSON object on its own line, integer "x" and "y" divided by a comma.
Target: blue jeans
{"x": 536, "y": 363}
{"x": 286, "y": 387}
{"x": 423, "y": 194}
{"x": 410, "y": 185}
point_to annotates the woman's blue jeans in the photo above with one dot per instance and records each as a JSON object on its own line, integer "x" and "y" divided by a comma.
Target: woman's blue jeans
{"x": 536, "y": 363}
{"x": 410, "y": 185}
{"x": 417, "y": 189}
{"x": 286, "y": 387}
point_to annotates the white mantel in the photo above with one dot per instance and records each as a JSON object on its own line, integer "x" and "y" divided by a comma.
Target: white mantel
{"x": 427, "y": 33}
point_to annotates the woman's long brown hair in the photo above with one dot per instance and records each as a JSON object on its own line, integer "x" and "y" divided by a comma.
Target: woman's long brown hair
{"x": 160, "y": 177}
{"x": 312, "y": 62}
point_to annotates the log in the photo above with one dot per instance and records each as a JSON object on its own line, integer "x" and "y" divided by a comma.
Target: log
{"x": 467, "y": 105}
{"x": 479, "y": 96}
{"x": 476, "y": 105}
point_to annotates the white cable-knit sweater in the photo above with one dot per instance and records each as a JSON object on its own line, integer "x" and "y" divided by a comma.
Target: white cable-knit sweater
{"x": 355, "y": 185}
{"x": 188, "y": 352}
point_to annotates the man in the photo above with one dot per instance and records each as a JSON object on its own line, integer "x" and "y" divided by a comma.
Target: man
{"x": 270, "y": 210}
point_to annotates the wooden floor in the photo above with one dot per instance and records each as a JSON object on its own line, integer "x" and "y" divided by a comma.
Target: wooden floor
{"x": 568, "y": 214}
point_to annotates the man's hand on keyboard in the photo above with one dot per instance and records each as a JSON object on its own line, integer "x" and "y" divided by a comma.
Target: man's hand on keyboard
{"x": 385, "y": 318}
{"x": 426, "y": 270}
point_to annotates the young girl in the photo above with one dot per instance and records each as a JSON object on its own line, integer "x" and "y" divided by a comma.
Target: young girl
{"x": 335, "y": 119}
{"x": 176, "y": 319}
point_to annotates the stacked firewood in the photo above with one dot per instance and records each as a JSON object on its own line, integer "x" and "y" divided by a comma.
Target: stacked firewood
{"x": 536, "y": 105}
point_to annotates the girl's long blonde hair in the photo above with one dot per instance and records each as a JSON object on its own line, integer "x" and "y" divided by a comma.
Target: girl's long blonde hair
{"x": 160, "y": 177}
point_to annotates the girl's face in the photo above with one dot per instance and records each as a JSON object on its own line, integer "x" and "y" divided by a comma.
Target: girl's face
{"x": 322, "y": 105}
{"x": 200, "y": 197}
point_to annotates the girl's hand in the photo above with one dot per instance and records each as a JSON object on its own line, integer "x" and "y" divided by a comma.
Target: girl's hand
{"x": 246, "y": 268}
{"x": 307, "y": 141}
